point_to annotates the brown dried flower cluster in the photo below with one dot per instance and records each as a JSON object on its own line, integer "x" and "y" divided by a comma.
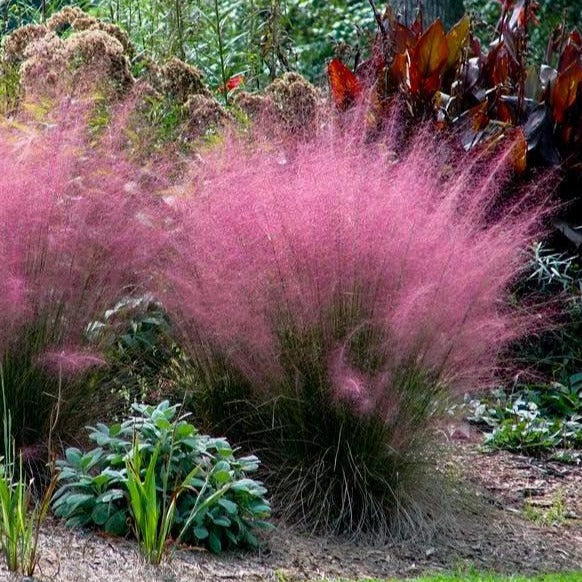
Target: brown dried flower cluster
{"x": 290, "y": 104}
{"x": 43, "y": 66}
{"x": 95, "y": 56}
{"x": 15, "y": 44}
{"x": 204, "y": 113}
{"x": 181, "y": 80}
{"x": 98, "y": 54}
{"x": 296, "y": 103}
{"x": 73, "y": 17}
{"x": 257, "y": 107}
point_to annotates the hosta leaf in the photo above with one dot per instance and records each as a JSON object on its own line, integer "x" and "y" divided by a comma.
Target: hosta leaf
{"x": 260, "y": 509}
{"x": 248, "y": 485}
{"x": 99, "y": 480}
{"x": 75, "y": 500}
{"x": 100, "y": 513}
{"x": 114, "y": 430}
{"x": 232, "y": 538}
{"x": 222, "y": 521}
{"x": 116, "y": 524}
{"x": 74, "y": 456}
{"x": 184, "y": 430}
{"x": 200, "y": 532}
{"x": 111, "y": 495}
{"x": 214, "y": 543}
{"x": 230, "y": 507}
{"x": 221, "y": 476}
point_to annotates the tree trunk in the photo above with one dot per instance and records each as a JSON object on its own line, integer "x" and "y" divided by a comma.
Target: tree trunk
{"x": 449, "y": 11}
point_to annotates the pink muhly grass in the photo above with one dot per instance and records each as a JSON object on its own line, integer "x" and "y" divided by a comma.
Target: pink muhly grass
{"x": 357, "y": 287}
{"x": 74, "y": 239}
{"x": 404, "y": 249}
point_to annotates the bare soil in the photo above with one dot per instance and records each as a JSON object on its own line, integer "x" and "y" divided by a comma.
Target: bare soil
{"x": 532, "y": 523}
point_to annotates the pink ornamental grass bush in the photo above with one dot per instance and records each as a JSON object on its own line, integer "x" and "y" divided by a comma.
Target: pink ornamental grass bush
{"x": 332, "y": 297}
{"x": 74, "y": 239}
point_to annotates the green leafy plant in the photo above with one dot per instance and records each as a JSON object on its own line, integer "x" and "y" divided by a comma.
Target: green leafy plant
{"x": 555, "y": 279}
{"x": 554, "y": 513}
{"x": 534, "y": 419}
{"x": 20, "y": 516}
{"x": 202, "y": 487}
{"x": 150, "y": 524}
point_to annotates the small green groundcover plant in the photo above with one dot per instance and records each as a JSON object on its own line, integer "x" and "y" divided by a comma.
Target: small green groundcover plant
{"x": 535, "y": 419}
{"x": 157, "y": 464}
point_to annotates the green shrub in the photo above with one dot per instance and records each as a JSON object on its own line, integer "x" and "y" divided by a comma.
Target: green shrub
{"x": 139, "y": 349}
{"x": 555, "y": 279}
{"x": 94, "y": 485}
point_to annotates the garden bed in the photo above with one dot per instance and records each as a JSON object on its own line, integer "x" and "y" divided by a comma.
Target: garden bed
{"x": 501, "y": 537}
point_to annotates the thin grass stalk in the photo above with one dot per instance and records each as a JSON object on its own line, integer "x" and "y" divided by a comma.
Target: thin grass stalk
{"x": 220, "y": 41}
{"x": 19, "y": 524}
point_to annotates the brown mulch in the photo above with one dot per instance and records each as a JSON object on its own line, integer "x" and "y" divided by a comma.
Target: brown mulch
{"x": 499, "y": 538}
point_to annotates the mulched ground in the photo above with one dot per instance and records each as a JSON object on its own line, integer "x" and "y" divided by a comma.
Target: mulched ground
{"x": 499, "y": 538}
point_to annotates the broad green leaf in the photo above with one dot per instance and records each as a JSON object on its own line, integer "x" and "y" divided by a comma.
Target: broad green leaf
{"x": 230, "y": 507}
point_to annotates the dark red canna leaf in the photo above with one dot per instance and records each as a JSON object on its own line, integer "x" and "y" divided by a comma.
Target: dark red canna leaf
{"x": 431, "y": 52}
{"x": 572, "y": 52}
{"x": 345, "y": 86}
{"x": 457, "y": 39}
{"x": 519, "y": 152}
{"x": 399, "y": 70}
{"x": 403, "y": 37}
{"x": 567, "y": 85}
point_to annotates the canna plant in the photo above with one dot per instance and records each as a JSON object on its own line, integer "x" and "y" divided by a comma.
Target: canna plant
{"x": 332, "y": 297}
{"x": 481, "y": 94}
